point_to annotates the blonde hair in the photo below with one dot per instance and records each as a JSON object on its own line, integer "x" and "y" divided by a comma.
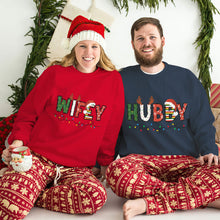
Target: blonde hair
{"x": 70, "y": 59}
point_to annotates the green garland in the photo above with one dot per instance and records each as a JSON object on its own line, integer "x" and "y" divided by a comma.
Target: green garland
{"x": 152, "y": 4}
{"x": 45, "y": 21}
{"x": 203, "y": 40}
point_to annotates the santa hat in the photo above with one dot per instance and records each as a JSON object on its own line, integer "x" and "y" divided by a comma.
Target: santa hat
{"x": 81, "y": 29}
{"x": 172, "y": 103}
{"x": 22, "y": 151}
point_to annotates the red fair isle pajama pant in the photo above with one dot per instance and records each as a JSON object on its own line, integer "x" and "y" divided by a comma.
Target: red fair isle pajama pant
{"x": 77, "y": 190}
{"x": 166, "y": 183}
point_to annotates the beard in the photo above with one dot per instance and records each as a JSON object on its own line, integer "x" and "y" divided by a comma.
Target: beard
{"x": 149, "y": 62}
{"x": 23, "y": 166}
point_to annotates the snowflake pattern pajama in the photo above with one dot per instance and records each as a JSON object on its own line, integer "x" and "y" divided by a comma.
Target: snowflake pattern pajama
{"x": 166, "y": 183}
{"x": 77, "y": 190}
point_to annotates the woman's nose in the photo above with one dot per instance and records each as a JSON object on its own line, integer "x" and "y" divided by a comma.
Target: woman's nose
{"x": 88, "y": 50}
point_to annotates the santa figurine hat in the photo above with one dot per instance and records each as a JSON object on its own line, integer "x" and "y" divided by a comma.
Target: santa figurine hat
{"x": 81, "y": 29}
{"x": 173, "y": 104}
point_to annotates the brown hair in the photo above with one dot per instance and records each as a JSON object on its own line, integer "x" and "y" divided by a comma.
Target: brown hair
{"x": 143, "y": 21}
{"x": 70, "y": 59}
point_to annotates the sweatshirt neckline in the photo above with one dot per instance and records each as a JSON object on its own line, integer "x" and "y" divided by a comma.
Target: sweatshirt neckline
{"x": 154, "y": 74}
{"x": 86, "y": 74}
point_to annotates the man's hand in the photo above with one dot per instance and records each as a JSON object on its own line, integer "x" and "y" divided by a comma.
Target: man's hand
{"x": 209, "y": 159}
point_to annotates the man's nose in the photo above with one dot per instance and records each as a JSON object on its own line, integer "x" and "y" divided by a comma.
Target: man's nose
{"x": 146, "y": 42}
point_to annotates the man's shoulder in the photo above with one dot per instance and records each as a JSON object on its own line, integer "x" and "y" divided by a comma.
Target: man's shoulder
{"x": 128, "y": 69}
{"x": 180, "y": 71}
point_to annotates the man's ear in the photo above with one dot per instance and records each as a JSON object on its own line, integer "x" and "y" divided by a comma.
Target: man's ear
{"x": 132, "y": 43}
{"x": 163, "y": 40}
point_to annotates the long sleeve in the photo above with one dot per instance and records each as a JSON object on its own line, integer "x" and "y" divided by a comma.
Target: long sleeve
{"x": 174, "y": 117}
{"x": 107, "y": 150}
{"x": 201, "y": 121}
{"x": 31, "y": 108}
{"x": 71, "y": 117}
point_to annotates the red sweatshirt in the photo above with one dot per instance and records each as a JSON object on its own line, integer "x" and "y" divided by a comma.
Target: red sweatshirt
{"x": 72, "y": 118}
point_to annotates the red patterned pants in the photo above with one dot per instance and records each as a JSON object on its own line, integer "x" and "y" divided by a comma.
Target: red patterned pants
{"x": 166, "y": 183}
{"x": 77, "y": 190}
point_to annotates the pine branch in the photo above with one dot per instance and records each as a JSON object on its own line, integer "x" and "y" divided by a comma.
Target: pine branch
{"x": 203, "y": 42}
{"x": 152, "y": 4}
{"x": 45, "y": 21}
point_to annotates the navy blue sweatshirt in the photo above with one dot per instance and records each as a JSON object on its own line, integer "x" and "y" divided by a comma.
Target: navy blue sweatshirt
{"x": 167, "y": 113}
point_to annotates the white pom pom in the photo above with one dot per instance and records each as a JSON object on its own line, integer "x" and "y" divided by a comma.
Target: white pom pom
{"x": 65, "y": 43}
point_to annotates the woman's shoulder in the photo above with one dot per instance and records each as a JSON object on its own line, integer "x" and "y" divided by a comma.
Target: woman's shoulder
{"x": 57, "y": 69}
{"x": 111, "y": 73}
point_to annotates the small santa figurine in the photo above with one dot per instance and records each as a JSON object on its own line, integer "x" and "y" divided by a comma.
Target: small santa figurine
{"x": 21, "y": 159}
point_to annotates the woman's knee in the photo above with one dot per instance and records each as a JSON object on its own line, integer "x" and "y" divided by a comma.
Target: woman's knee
{"x": 93, "y": 196}
{"x": 81, "y": 197}
{"x": 120, "y": 172}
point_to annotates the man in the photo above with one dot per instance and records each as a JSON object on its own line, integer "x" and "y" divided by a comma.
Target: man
{"x": 169, "y": 159}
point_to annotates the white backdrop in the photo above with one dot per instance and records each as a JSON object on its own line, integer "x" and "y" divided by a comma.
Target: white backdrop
{"x": 180, "y": 23}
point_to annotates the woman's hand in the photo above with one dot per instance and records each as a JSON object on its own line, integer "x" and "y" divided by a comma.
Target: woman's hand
{"x": 100, "y": 173}
{"x": 6, "y": 154}
{"x": 103, "y": 171}
{"x": 96, "y": 172}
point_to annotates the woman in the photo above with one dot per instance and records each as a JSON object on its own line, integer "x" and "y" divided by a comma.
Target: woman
{"x": 69, "y": 120}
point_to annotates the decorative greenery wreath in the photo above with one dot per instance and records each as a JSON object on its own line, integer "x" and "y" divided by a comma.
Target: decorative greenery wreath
{"x": 45, "y": 23}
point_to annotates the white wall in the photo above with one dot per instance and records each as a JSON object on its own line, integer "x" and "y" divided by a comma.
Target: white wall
{"x": 180, "y": 23}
